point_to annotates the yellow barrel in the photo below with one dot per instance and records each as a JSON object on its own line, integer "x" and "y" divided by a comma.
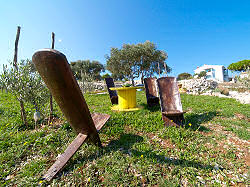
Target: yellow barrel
{"x": 127, "y": 98}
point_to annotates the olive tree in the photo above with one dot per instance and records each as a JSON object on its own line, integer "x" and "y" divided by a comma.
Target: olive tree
{"x": 25, "y": 84}
{"x": 87, "y": 67}
{"x": 137, "y": 60}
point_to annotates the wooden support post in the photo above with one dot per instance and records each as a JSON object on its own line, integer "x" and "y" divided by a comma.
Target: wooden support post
{"x": 22, "y": 109}
{"x": 16, "y": 47}
{"x": 99, "y": 121}
{"x": 50, "y": 97}
{"x": 64, "y": 158}
{"x": 53, "y": 40}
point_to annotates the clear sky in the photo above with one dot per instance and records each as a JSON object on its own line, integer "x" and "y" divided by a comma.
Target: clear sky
{"x": 192, "y": 32}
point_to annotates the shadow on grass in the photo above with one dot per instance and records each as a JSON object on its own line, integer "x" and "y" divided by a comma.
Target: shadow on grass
{"x": 172, "y": 161}
{"x": 152, "y": 108}
{"x": 197, "y": 119}
{"x": 124, "y": 144}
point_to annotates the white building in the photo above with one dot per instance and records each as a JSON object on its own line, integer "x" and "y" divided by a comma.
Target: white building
{"x": 244, "y": 75}
{"x": 214, "y": 72}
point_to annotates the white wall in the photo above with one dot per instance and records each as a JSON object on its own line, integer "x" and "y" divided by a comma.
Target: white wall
{"x": 218, "y": 72}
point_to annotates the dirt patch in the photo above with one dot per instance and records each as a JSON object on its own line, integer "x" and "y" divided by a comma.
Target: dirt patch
{"x": 153, "y": 139}
{"x": 241, "y": 117}
{"x": 241, "y": 146}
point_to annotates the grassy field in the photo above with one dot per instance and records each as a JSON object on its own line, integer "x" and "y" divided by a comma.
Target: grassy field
{"x": 212, "y": 148}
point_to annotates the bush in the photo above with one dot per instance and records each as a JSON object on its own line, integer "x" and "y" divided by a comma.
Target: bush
{"x": 224, "y": 91}
{"x": 245, "y": 81}
{"x": 184, "y": 76}
{"x": 202, "y": 74}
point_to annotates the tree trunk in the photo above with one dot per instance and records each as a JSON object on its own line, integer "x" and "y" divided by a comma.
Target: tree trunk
{"x": 165, "y": 66}
{"x": 133, "y": 82}
{"x": 23, "y": 114}
{"x": 142, "y": 73}
{"x": 142, "y": 78}
{"x": 159, "y": 70}
{"x": 82, "y": 82}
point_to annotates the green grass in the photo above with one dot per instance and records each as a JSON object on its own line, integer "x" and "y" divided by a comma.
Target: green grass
{"x": 138, "y": 149}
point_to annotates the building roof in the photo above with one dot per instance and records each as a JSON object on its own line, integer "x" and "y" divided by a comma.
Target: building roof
{"x": 205, "y": 66}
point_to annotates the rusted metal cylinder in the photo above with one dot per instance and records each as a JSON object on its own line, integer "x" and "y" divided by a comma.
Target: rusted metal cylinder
{"x": 170, "y": 100}
{"x": 57, "y": 75}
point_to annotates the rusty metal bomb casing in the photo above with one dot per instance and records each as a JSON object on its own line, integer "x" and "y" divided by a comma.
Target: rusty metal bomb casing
{"x": 57, "y": 75}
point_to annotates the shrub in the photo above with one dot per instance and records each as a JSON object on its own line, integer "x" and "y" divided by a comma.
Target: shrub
{"x": 184, "y": 76}
{"x": 202, "y": 74}
{"x": 245, "y": 81}
{"x": 224, "y": 91}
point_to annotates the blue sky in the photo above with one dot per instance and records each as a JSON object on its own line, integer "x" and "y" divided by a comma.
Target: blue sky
{"x": 192, "y": 32}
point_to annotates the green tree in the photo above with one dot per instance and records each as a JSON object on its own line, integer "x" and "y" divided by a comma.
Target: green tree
{"x": 114, "y": 64}
{"x": 135, "y": 60}
{"x": 184, "y": 76}
{"x": 106, "y": 75}
{"x": 202, "y": 74}
{"x": 25, "y": 84}
{"x": 242, "y": 65}
{"x": 87, "y": 67}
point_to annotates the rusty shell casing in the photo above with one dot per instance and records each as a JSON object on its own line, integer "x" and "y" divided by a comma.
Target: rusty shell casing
{"x": 57, "y": 75}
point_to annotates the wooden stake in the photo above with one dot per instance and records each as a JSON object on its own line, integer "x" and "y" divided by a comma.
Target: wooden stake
{"x": 23, "y": 114}
{"x": 53, "y": 40}
{"x": 16, "y": 47}
{"x": 51, "y": 98}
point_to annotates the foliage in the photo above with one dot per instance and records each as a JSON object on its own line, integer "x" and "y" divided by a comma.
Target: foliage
{"x": 106, "y": 75}
{"x": 1, "y": 84}
{"x": 135, "y": 60}
{"x": 93, "y": 68}
{"x": 87, "y": 82}
{"x": 202, "y": 74}
{"x": 242, "y": 65}
{"x": 127, "y": 85}
{"x": 184, "y": 76}
{"x": 25, "y": 83}
{"x": 245, "y": 81}
{"x": 138, "y": 150}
